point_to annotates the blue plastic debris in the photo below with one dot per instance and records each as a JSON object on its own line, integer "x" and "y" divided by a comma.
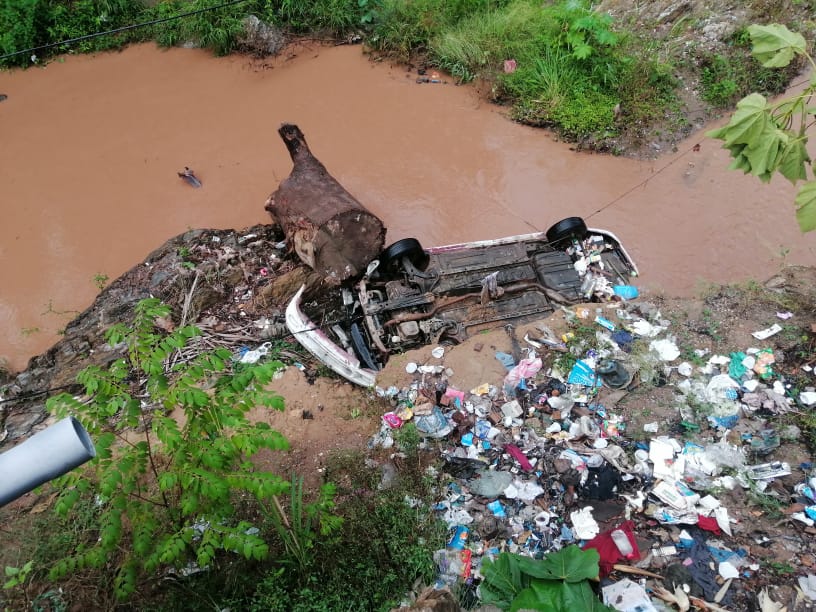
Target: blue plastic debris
{"x": 627, "y": 292}
{"x": 497, "y": 509}
{"x": 583, "y": 374}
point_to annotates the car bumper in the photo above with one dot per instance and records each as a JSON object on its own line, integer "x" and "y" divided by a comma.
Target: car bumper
{"x": 320, "y": 345}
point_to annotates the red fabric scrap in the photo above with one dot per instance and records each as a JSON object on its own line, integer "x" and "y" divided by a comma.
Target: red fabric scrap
{"x": 515, "y": 453}
{"x": 607, "y": 549}
{"x": 708, "y": 523}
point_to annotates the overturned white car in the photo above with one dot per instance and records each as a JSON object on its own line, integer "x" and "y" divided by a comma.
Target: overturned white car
{"x": 412, "y": 296}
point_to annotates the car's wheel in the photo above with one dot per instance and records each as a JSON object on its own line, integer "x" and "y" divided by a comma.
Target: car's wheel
{"x": 571, "y": 227}
{"x": 406, "y": 248}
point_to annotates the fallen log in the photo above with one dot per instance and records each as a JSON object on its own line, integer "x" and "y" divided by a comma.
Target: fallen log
{"x": 324, "y": 224}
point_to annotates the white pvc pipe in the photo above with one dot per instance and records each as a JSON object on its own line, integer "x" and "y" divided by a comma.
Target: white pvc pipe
{"x": 50, "y": 453}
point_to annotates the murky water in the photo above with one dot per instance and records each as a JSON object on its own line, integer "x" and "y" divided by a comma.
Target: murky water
{"x": 90, "y": 148}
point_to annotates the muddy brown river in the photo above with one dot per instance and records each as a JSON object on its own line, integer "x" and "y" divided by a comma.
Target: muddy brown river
{"x": 90, "y": 147}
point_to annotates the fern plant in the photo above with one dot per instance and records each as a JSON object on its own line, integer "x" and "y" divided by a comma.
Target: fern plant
{"x": 166, "y": 495}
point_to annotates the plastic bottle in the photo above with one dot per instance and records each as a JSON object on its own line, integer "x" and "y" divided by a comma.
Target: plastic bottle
{"x": 622, "y": 542}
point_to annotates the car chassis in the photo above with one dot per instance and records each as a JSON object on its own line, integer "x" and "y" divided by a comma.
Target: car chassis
{"x": 410, "y": 296}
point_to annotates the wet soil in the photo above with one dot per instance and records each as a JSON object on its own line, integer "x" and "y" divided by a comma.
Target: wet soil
{"x": 93, "y": 145}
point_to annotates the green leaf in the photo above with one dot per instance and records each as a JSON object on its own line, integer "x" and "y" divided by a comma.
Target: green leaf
{"x": 167, "y": 480}
{"x": 806, "y": 207}
{"x": 260, "y": 551}
{"x": 793, "y": 159}
{"x": 66, "y": 501}
{"x": 580, "y": 596}
{"x": 540, "y": 595}
{"x": 606, "y": 37}
{"x": 763, "y": 155}
{"x": 747, "y": 123}
{"x": 581, "y": 51}
{"x": 559, "y": 596}
{"x": 740, "y": 163}
{"x": 570, "y": 564}
{"x": 775, "y": 45}
{"x": 502, "y": 580}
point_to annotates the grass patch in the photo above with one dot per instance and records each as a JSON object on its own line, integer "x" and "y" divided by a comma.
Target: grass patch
{"x": 768, "y": 504}
{"x": 385, "y": 545}
{"x": 728, "y": 76}
{"x": 403, "y": 28}
{"x": 574, "y": 71}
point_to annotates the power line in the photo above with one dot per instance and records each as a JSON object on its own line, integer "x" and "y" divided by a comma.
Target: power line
{"x": 693, "y": 147}
{"x": 70, "y": 41}
{"x": 644, "y": 181}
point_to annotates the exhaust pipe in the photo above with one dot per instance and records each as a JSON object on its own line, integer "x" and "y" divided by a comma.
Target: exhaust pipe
{"x": 48, "y": 454}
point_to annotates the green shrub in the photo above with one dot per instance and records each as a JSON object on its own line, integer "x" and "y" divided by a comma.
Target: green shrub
{"x": 173, "y": 451}
{"x": 169, "y": 33}
{"x": 728, "y": 76}
{"x": 386, "y": 543}
{"x": 31, "y": 23}
{"x": 647, "y": 89}
{"x": 547, "y": 80}
{"x": 22, "y": 26}
{"x": 585, "y": 113}
{"x": 217, "y": 30}
{"x": 568, "y": 64}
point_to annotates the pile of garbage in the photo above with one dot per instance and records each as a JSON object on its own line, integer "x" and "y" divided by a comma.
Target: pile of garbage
{"x": 542, "y": 460}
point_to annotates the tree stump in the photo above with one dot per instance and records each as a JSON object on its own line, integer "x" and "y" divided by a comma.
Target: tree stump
{"x": 326, "y": 226}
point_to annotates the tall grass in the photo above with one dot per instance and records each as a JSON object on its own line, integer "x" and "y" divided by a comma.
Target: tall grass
{"x": 548, "y": 79}
{"x": 477, "y": 45}
{"x": 568, "y": 63}
{"x": 329, "y": 17}
{"x": 403, "y": 27}
{"x": 217, "y": 30}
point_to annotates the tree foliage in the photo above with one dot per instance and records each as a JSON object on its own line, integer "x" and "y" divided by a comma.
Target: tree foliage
{"x": 173, "y": 452}
{"x": 766, "y": 138}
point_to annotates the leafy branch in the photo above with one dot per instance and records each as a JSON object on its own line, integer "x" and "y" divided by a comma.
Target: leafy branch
{"x": 173, "y": 452}
{"x": 760, "y": 135}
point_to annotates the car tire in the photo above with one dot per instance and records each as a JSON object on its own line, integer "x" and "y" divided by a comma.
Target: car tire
{"x": 407, "y": 247}
{"x": 571, "y": 227}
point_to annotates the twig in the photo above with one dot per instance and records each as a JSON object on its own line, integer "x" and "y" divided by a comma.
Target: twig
{"x": 185, "y": 310}
{"x": 628, "y": 569}
{"x": 281, "y": 512}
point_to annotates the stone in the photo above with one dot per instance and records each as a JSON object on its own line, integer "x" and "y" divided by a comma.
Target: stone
{"x": 20, "y": 424}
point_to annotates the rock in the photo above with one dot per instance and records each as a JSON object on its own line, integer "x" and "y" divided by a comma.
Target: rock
{"x": 261, "y": 38}
{"x": 674, "y": 12}
{"x": 19, "y": 425}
